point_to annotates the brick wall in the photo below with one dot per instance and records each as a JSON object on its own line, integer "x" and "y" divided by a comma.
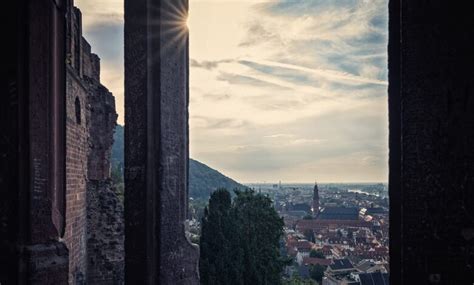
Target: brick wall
{"x": 94, "y": 214}
{"x": 91, "y": 119}
{"x": 76, "y": 149}
{"x": 76, "y": 171}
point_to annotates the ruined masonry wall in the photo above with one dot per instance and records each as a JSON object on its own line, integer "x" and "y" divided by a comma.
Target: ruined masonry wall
{"x": 94, "y": 214}
{"x": 105, "y": 239}
{"x": 105, "y": 228}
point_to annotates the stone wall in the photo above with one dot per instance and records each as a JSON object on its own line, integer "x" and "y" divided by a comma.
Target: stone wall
{"x": 94, "y": 214}
{"x": 105, "y": 238}
{"x": 32, "y": 143}
{"x": 102, "y": 120}
{"x": 105, "y": 229}
{"x": 90, "y": 62}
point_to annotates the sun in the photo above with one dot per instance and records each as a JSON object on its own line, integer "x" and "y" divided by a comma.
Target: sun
{"x": 173, "y": 18}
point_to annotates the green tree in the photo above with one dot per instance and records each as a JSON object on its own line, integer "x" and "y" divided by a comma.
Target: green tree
{"x": 260, "y": 230}
{"x": 296, "y": 280}
{"x": 317, "y": 272}
{"x": 309, "y": 234}
{"x": 116, "y": 176}
{"x": 240, "y": 240}
{"x": 316, "y": 253}
{"x": 219, "y": 262}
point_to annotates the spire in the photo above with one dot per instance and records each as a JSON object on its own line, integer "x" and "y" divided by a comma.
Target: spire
{"x": 315, "y": 204}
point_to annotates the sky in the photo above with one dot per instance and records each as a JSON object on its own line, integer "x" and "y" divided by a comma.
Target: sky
{"x": 279, "y": 90}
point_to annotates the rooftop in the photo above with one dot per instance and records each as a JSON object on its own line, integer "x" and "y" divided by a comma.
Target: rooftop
{"x": 315, "y": 261}
{"x": 376, "y": 278}
{"x": 341, "y": 264}
{"x": 339, "y": 213}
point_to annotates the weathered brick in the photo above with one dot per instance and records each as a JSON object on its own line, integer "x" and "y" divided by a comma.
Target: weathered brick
{"x": 90, "y": 123}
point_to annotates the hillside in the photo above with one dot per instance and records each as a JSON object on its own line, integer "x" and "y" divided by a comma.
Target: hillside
{"x": 202, "y": 179}
{"x": 117, "y": 156}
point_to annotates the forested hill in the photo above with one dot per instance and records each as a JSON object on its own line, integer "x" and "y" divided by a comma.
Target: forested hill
{"x": 117, "y": 156}
{"x": 203, "y": 180}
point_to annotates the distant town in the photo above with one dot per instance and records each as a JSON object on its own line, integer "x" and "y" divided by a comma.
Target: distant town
{"x": 334, "y": 233}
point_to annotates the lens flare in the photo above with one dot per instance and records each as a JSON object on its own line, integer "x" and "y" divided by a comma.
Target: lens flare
{"x": 173, "y": 21}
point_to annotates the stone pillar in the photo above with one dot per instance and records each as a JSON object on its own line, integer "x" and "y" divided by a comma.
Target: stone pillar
{"x": 156, "y": 144}
{"x": 32, "y": 160}
{"x": 394, "y": 175}
{"x": 431, "y": 83}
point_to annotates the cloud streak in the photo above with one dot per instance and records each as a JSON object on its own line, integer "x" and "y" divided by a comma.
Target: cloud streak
{"x": 280, "y": 90}
{"x": 328, "y": 74}
{"x": 309, "y": 79}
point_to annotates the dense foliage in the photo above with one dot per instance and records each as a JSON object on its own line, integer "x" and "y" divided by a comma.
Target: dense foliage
{"x": 117, "y": 181}
{"x": 317, "y": 272}
{"x": 316, "y": 253}
{"x": 309, "y": 234}
{"x": 240, "y": 240}
{"x": 295, "y": 280}
{"x": 117, "y": 156}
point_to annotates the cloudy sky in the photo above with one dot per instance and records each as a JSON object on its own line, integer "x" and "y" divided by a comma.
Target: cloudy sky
{"x": 282, "y": 90}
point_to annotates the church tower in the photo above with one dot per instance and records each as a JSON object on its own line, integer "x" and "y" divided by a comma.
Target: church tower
{"x": 315, "y": 205}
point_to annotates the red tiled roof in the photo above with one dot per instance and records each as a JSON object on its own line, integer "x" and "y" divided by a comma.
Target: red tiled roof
{"x": 303, "y": 244}
{"x": 381, "y": 249}
{"x": 291, "y": 243}
{"x": 315, "y": 260}
{"x": 291, "y": 251}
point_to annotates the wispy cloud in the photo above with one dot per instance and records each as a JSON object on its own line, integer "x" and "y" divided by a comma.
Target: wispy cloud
{"x": 309, "y": 79}
{"x": 328, "y": 74}
{"x": 282, "y": 89}
{"x": 209, "y": 65}
{"x": 279, "y": 136}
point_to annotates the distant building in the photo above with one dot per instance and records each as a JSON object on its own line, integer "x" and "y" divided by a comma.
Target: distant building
{"x": 341, "y": 265}
{"x": 301, "y": 207}
{"x": 303, "y": 272}
{"x": 376, "y": 211}
{"x": 375, "y": 278}
{"x": 339, "y": 213}
{"x": 318, "y": 224}
{"x": 341, "y": 272}
{"x": 315, "y": 205}
{"x": 371, "y": 266}
{"x": 296, "y": 213}
{"x": 314, "y": 261}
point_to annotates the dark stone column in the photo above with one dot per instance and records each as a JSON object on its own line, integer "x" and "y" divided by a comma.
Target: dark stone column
{"x": 433, "y": 195}
{"x": 32, "y": 156}
{"x": 394, "y": 141}
{"x": 156, "y": 144}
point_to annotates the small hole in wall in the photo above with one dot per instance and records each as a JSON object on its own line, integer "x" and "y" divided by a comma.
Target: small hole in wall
{"x": 77, "y": 104}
